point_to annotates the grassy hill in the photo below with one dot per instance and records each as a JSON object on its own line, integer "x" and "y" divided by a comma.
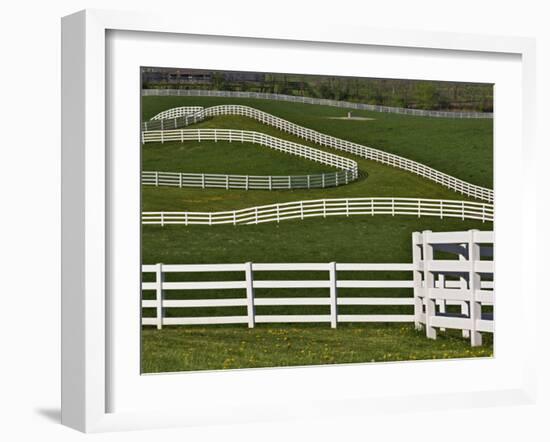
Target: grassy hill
{"x": 376, "y": 179}
{"x": 460, "y": 147}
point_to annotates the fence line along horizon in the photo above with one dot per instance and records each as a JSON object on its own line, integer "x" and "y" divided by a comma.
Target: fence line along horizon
{"x": 319, "y": 101}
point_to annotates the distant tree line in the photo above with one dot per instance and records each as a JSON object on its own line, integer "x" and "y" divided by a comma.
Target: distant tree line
{"x": 416, "y": 94}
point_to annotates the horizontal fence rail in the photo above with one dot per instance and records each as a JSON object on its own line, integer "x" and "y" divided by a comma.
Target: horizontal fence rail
{"x": 328, "y": 207}
{"x": 369, "y": 153}
{"x": 320, "y": 101}
{"x": 349, "y": 168}
{"x": 246, "y": 182}
{"x": 472, "y": 288}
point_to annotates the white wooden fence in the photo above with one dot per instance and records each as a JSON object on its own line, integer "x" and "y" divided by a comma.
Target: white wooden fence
{"x": 433, "y": 288}
{"x": 244, "y": 136}
{"x": 321, "y": 101}
{"x": 249, "y": 284}
{"x": 328, "y": 207}
{"x": 174, "y": 113}
{"x": 472, "y": 286}
{"x": 177, "y": 112}
{"x": 246, "y": 182}
{"x": 370, "y": 153}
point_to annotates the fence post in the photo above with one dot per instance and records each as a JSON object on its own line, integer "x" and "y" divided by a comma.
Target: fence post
{"x": 443, "y": 302}
{"x": 156, "y": 179}
{"x": 464, "y": 286}
{"x": 181, "y": 180}
{"x": 427, "y": 251}
{"x": 333, "y": 295}
{"x": 249, "y": 294}
{"x": 162, "y": 136}
{"x": 159, "y": 281}
{"x": 417, "y": 279}
{"x": 270, "y": 185}
{"x": 203, "y": 184}
{"x": 475, "y": 284}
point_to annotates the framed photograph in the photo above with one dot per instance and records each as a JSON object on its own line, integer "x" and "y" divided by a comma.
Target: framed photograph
{"x": 248, "y": 215}
{"x": 246, "y": 248}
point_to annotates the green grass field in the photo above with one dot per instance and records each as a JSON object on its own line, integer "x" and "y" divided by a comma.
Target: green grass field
{"x": 462, "y": 148}
{"x": 380, "y": 238}
{"x": 227, "y": 347}
{"x": 225, "y": 157}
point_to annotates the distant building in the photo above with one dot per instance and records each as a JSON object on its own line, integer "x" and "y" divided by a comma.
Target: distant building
{"x": 176, "y": 76}
{"x": 194, "y": 76}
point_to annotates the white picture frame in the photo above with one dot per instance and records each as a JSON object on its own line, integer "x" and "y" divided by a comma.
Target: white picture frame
{"x": 87, "y": 216}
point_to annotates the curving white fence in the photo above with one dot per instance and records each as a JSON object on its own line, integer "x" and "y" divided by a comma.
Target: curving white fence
{"x": 177, "y": 112}
{"x": 246, "y": 182}
{"x": 321, "y": 101}
{"x": 455, "y": 184}
{"x": 350, "y": 169}
{"x": 328, "y": 207}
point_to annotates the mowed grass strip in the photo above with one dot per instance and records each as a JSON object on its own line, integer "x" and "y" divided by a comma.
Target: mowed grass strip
{"x": 279, "y": 345}
{"x": 361, "y": 238}
{"x": 223, "y": 157}
{"x": 460, "y": 147}
{"x": 375, "y": 180}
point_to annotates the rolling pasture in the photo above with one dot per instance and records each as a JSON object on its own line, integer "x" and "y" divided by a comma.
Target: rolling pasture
{"x": 462, "y": 148}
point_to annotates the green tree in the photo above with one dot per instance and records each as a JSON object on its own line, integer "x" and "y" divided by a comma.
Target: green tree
{"x": 427, "y": 96}
{"x": 218, "y": 81}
